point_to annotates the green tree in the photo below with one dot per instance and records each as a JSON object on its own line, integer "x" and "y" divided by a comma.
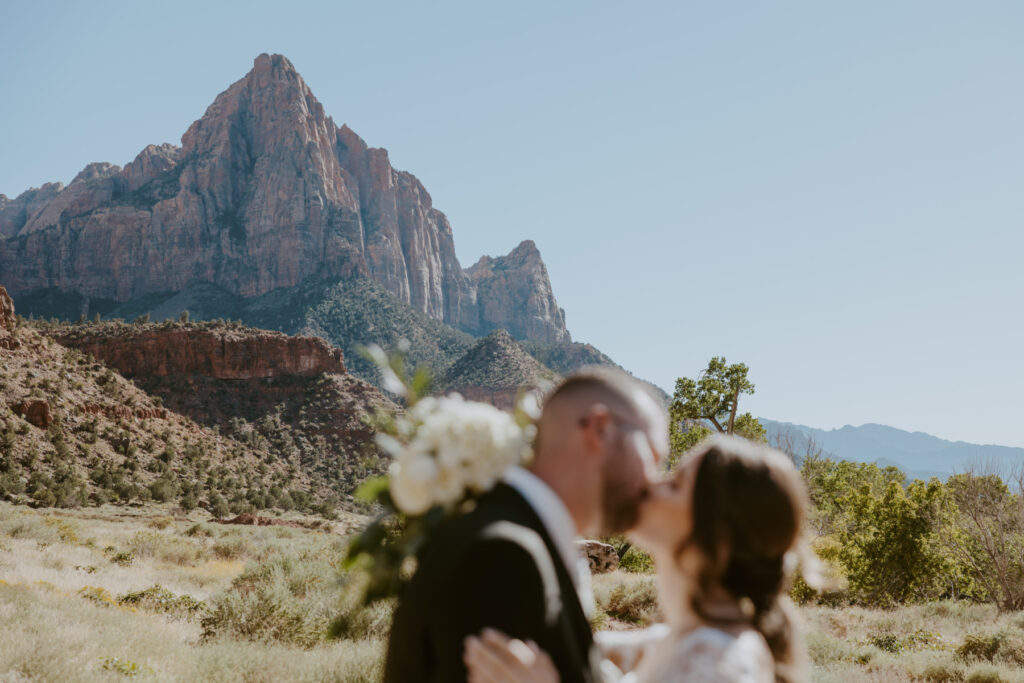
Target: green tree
{"x": 710, "y": 403}
{"x": 890, "y": 551}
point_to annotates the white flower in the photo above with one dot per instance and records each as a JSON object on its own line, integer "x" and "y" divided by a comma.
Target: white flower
{"x": 448, "y": 447}
{"x": 529, "y": 405}
{"x": 412, "y": 484}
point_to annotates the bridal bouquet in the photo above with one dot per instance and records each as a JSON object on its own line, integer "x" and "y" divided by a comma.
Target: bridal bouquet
{"x": 445, "y": 452}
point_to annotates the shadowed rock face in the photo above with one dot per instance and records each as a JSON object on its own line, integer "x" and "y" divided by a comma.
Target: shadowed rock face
{"x": 264, "y": 192}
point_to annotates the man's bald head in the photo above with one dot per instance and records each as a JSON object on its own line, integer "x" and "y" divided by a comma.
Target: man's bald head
{"x": 600, "y": 435}
{"x": 596, "y": 385}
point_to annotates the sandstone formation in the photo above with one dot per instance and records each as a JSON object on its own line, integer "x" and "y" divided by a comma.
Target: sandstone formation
{"x": 265, "y": 192}
{"x": 601, "y": 556}
{"x": 36, "y": 412}
{"x": 510, "y": 285}
{"x": 220, "y": 354}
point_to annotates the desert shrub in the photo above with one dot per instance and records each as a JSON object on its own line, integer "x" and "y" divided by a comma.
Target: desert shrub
{"x": 232, "y": 548}
{"x": 159, "y": 599}
{"x": 1011, "y": 650}
{"x": 124, "y": 667}
{"x": 65, "y": 530}
{"x": 218, "y": 506}
{"x": 298, "y": 600}
{"x": 942, "y": 673}
{"x": 980, "y": 646}
{"x": 634, "y": 601}
{"x": 359, "y": 623}
{"x": 97, "y": 595}
{"x": 986, "y": 674}
{"x": 160, "y": 522}
{"x": 11, "y": 483}
{"x": 198, "y": 530}
{"x": 163, "y": 547}
{"x": 122, "y": 559}
{"x": 636, "y": 561}
{"x": 188, "y": 502}
{"x": 894, "y": 643}
{"x": 163, "y": 490}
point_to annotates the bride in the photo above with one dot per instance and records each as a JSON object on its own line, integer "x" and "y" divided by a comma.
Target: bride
{"x": 723, "y": 531}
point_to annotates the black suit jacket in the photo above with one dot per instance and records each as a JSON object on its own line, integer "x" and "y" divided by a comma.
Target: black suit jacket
{"x": 495, "y": 566}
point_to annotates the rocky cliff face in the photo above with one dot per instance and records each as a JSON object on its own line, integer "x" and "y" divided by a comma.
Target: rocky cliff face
{"x": 265, "y": 192}
{"x": 225, "y": 353}
{"x": 509, "y": 286}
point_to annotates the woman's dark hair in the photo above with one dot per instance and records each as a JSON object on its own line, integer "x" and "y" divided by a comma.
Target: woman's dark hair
{"x": 748, "y": 511}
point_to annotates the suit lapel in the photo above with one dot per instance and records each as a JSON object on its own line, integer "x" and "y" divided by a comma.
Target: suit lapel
{"x": 573, "y": 619}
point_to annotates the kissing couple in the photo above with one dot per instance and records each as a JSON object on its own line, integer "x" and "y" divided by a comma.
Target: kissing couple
{"x": 501, "y": 593}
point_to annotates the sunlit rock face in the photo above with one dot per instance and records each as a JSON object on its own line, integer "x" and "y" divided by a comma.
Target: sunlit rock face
{"x": 264, "y": 192}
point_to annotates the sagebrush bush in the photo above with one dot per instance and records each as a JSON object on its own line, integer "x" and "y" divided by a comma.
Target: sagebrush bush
{"x": 986, "y": 675}
{"x": 634, "y": 601}
{"x": 980, "y": 646}
{"x": 164, "y": 547}
{"x": 232, "y": 548}
{"x": 159, "y": 599}
{"x": 300, "y": 600}
{"x": 942, "y": 673}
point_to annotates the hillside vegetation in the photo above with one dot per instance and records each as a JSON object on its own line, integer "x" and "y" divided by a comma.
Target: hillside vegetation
{"x": 74, "y": 431}
{"x": 349, "y": 313}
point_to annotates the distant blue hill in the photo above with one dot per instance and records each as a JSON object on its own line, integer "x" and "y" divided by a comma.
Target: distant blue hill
{"x": 919, "y": 455}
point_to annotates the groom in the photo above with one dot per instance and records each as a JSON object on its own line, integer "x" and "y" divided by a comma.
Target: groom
{"x": 511, "y": 564}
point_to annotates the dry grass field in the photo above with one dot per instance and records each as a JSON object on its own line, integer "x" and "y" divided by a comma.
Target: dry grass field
{"x": 110, "y": 593}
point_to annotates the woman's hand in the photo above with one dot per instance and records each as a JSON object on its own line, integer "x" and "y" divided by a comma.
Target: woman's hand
{"x": 496, "y": 658}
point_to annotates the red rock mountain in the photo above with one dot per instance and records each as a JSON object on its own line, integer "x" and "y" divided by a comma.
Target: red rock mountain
{"x": 264, "y": 192}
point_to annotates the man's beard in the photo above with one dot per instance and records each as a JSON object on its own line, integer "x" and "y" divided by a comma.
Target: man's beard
{"x": 620, "y": 507}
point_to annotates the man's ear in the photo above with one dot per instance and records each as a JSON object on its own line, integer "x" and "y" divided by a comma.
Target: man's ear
{"x": 595, "y": 427}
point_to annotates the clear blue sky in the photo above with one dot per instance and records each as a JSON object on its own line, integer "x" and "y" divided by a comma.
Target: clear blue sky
{"x": 832, "y": 193}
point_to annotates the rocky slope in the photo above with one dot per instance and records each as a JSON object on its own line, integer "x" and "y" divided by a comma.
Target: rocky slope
{"x": 290, "y": 395}
{"x": 265, "y": 192}
{"x": 73, "y": 432}
{"x": 496, "y": 370}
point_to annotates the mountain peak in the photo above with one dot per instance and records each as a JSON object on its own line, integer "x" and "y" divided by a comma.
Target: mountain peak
{"x": 516, "y": 293}
{"x": 266, "y": 192}
{"x": 495, "y": 370}
{"x": 273, "y": 63}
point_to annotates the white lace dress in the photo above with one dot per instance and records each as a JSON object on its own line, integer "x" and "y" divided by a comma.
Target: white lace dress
{"x": 706, "y": 655}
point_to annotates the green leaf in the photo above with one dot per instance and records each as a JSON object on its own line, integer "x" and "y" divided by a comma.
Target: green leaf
{"x": 372, "y": 490}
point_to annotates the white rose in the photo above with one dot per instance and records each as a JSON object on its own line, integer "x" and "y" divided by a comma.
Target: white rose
{"x": 412, "y": 484}
{"x": 450, "y": 485}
